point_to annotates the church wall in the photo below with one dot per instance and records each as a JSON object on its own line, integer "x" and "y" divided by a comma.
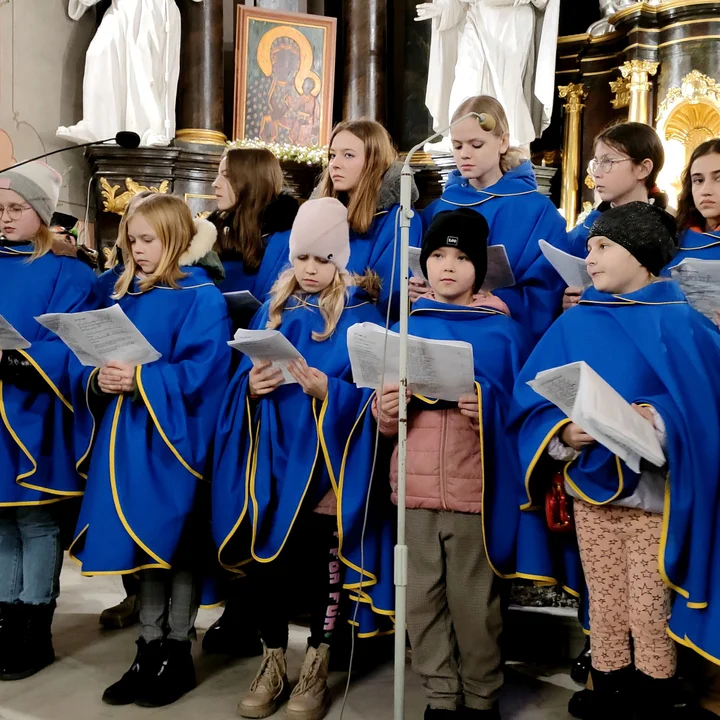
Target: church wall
{"x": 42, "y": 60}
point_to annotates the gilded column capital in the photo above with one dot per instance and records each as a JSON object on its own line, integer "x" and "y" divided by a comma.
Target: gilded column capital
{"x": 621, "y": 89}
{"x": 574, "y": 94}
{"x": 637, "y": 72}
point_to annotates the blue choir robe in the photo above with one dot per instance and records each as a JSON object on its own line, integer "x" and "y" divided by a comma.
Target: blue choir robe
{"x": 146, "y": 452}
{"x": 278, "y": 456}
{"x": 519, "y": 217}
{"x": 665, "y": 354}
{"x": 37, "y": 464}
{"x": 694, "y": 243}
{"x": 577, "y": 238}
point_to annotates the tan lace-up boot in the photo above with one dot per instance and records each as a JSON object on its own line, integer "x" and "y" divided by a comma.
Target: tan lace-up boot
{"x": 310, "y": 700}
{"x": 268, "y": 689}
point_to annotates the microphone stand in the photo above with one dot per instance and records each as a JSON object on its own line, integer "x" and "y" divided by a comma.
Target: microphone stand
{"x": 401, "y": 550}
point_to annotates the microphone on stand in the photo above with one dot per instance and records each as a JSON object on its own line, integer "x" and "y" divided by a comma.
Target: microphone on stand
{"x": 125, "y": 139}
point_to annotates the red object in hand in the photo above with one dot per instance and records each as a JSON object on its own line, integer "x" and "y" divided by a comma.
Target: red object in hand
{"x": 558, "y": 509}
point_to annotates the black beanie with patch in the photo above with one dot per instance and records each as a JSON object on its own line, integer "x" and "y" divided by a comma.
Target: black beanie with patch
{"x": 464, "y": 229}
{"x": 646, "y": 232}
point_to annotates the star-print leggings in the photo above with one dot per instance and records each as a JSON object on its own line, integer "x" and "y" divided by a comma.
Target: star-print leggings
{"x": 619, "y": 553}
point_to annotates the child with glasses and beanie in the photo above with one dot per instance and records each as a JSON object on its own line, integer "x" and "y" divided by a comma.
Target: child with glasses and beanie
{"x": 38, "y": 275}
{"x": 462, "y": 514}
{"x": 646, "y": 540}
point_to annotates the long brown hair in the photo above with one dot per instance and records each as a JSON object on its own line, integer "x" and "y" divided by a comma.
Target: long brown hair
{"x": 687, "y": 214}
{"x": 639, "y": 142}
{"x": 172, "y": 221}
{"x": 256, "y": 179}
{"x": 488, "y": 105}
{"x": 379, "y": 157}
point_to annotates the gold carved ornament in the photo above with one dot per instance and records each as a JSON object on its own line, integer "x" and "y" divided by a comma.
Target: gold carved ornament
{"x": 621, "y": 89}
{"x": 114, "y": 203}
{"x": 636, "y": 72}
{"x": 574, "y": 94}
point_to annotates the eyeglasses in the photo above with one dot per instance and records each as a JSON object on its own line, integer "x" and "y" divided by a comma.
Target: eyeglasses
{"x": 14, "y": 211}
{"x": 604, "y": 166}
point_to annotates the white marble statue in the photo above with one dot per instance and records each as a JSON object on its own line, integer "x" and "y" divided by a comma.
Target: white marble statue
{"x": 609, "y": 8}
{"x": 503, "y": 48}
{"x": 131, "y": 72}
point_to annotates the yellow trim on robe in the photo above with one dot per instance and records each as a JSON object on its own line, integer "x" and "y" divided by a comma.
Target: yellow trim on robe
{"x": 173, "y": 449}
{"x": 249, "y": 469}
{"x": 536, "y": 458}
{"x": 297, "y": 510}
{"x": 80, "y": 462}
{"x": 686, "y": 642}
{"x": 587, "y": 498}
{"x": 50, "y": 383}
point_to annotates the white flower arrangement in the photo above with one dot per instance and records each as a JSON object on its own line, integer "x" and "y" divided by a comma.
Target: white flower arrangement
{"x": 310, "y": 155}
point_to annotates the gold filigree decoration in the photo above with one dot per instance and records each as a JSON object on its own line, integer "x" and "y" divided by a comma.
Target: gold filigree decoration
{"x": 621, "y": 88}
{"x": 694, "y": 88}
{"x": 114, "y": 203}
{"x": 589, "y": 182}
{"x": 574, "y": 94}
{"x": 636, "y": 72}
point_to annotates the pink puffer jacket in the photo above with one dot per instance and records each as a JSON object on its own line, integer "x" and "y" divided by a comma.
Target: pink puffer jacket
{"x": 444, "y": 463}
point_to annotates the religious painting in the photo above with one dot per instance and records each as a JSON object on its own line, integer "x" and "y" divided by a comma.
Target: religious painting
{"x": 285, "y": 71}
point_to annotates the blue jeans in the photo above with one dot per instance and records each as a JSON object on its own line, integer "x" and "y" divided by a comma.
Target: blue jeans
{"x": 30, "y": 554}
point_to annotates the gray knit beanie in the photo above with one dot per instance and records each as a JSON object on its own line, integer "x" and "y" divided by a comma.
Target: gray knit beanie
{"x": 38, "y": 184}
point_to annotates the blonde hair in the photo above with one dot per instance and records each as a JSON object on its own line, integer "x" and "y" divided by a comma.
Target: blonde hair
{"x": 172, "y": 221}
{"x": 331, "y": 300}
{"x": 42, "y": 242}
{"x": 513, "y": 156}
{"x": 112, "y": 257}
{"x": 379, "y": 157}
{"x": 256, "y": 179}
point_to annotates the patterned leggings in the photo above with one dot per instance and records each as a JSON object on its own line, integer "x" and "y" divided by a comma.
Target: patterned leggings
{"x": 619, "y": 553}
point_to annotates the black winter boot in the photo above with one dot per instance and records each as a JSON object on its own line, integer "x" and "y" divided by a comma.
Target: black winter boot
{"x": 580, "y": 670}
{"x": 174, "y": 678}
{"x": 614, "y": 694}
{"x": 33, "y": 650}
{"x": 492, "y": 714}
{"x": 661, "y": 698}
{"x": 9, "y": 626}
{"x": 146, "y": 664}
{"x": 440, "y": 714}
{"x": 582, "y": 705}
{"x": 233, "y": 634}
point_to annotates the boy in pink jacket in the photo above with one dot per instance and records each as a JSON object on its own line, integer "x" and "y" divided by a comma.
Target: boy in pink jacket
{"x": 456, "y": 549}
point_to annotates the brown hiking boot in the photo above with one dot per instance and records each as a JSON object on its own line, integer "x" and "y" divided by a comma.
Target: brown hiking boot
{"x": 310, "y": 700}
{"x": 122, "y": 615}
{"x": 268, "y": 689}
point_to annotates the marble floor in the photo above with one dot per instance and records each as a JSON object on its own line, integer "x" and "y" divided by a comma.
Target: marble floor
{"x": 90, "y": 659}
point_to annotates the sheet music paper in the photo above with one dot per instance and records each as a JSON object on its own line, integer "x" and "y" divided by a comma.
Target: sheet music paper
{"x": 571, "y": 269}
{"x": 263, "y": 345}
{"x": 700, "y": 281}
{"x": 441, "y": 369}
{"x": 241, "y": 300}
{"x": 100, "y": 336}
{"x": 600, "y": 411}
{"x": 499, "y": 273}
{"x": 10, "y": 338}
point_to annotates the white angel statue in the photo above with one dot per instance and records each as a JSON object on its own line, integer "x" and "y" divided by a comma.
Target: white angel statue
{"x": 131, "y": 72}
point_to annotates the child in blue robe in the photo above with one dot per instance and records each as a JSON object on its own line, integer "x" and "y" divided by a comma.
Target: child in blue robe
{"x": 645, "y": 539}
{"x": 146, "y": 433}
{"x": 364, "y": 174}
{"x": 462, "y": 516}
{"x": 494, "y": 179}
{"x": 253, "y": 219}
{"x": 37, "y": 468}
{"x": 276, "y": 500}
{"x": 628, "y": 159}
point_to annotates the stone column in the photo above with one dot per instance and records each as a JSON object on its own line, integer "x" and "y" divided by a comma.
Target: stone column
{"x": 637, "y": 72}
{"x": 574, "y": 94}
{"x": 365, "y": 59}
{"x": 200, "y": 92}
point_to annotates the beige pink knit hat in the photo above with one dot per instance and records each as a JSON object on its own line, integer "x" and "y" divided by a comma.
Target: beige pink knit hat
{"x": 321, "y": 229}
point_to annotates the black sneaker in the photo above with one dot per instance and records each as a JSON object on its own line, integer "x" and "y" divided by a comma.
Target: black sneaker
{"x": 147, "y": 662}
{"x": 34, "y": 649}
{"x": 174, "y": 677}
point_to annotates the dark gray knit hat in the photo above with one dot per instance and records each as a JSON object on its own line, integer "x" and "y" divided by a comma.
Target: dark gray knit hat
{"x": 646, "y": 232}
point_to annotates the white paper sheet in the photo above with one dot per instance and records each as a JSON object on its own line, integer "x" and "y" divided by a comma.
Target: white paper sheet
{"x": 700, "y": 281}
{"x": 571, "y": 269}
{"x": 241, "y": 300}
{"x": 263, "y": 345}
{"x": 499, "y": 273}
{"x": 600, "y": 411}
{"x": 440, "y": 369}
{"x": 99, "y": 336}
{"x": 10, "y": 338}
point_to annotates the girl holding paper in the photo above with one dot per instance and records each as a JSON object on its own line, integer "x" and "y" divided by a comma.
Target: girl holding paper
{"x": 699, "y": 205}
{"x": 645, "y": 540}
{"x": 628, "y": 158}
{"x": 364, "y": 174}
{"x": 144, "y": 433}
{"x": 253, "y": 220}
{"x": 38, "y": 275}
{"x": 279, "y": 497}
{"x": 462, "y": 501}
{"x": 497, "y": 181}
